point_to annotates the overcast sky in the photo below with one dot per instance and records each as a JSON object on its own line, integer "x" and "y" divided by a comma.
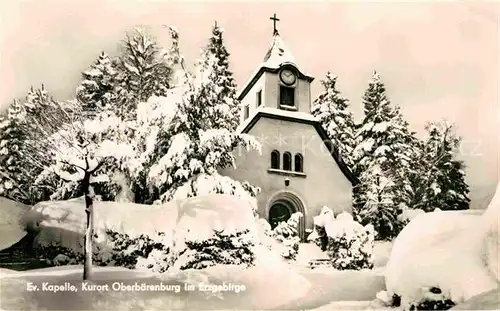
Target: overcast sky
{"x": 438, "y": 60}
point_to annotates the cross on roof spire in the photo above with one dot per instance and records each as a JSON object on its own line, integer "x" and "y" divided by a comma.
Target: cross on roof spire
{"x": 274, "y": 19}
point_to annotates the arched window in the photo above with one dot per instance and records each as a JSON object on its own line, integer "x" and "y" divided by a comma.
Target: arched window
{"x": 275, "y": 159}
{"x": 299, "y": 163}
{"x": 287, "y": 161}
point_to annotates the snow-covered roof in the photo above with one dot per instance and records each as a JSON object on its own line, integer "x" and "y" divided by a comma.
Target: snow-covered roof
{"x": 296, "y": 115}
{"x": 278, "y": 54}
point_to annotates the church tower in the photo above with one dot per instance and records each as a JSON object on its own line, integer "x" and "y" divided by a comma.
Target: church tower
{"x": 278, "y": 83}
{"x": 297, "y": 168}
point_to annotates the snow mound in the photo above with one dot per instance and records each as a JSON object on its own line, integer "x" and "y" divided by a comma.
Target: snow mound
{"x": 12, "y": 227}
{"x": 192, "y": 219}
{"x": 63, "y": 222}
{"x": 453, "y": 251}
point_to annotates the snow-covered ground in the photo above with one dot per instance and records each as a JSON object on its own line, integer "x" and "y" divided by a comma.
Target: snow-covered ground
{"x": 12, "y": 227}
{"x": 268, "y": 287}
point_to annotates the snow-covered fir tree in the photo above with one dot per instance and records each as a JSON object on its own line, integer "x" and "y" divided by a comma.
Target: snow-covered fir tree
{"x": 199, "y": 143}
{"x": 14, "y": 180}
{"x": 332, "y": 109}
{"x": 386, "y": 145}
{"x": 142, "y": 71}
{"x": 20, "y": 163}
{"x": 376, "y": 201}
{"x": 382, "y": 133}
{"x": 97, "y": 88}
{"x": 441, "y": 181}
{"x": 215, "y": 61}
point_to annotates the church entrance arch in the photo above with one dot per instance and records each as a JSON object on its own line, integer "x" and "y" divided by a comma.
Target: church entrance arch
{"x": 281, "y": 206}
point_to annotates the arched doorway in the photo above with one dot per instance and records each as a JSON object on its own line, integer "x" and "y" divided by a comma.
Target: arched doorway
{"x": 281, "y": 206}
{"x": 278, "y": 212}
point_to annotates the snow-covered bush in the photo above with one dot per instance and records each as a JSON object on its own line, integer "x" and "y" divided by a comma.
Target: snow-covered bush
{"x": 126, "y": 251}
{"x": 286, "y": 233}
{"x": 265, "y": 234}
{"x": 61, "y": 260}
{"x": 212, "y": 230}
{"x": 226, "y": 248}
{"x": 119, "y": 249}
{"x": 319, "y": 236}
{"x": 51, "y": 251}
{"x": 350, "y": 245}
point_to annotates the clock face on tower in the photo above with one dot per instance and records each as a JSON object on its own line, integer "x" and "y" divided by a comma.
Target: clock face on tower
{"x": 288, "y": 77}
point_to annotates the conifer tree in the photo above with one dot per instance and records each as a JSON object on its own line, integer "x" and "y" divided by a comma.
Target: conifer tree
{"x": 376, "y": 201}
{"x": 97, "y": 89}
{"x": 142, "y": 71}
{"x": 14, "y": 180}
{"x": 200, "y": 143}
{"x": 19, "y": 164}
{"x": 332, "y": 109}
{"x": 385, "y": 145}
{"x": 215, "y": 60}
{"x": 441, "y": 181}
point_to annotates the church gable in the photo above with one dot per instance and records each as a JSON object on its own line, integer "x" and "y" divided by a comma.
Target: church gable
{"x": 291, "y": 132}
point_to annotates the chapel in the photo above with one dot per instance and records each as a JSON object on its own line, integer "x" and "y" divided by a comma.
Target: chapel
{"x": 298, "y": 168}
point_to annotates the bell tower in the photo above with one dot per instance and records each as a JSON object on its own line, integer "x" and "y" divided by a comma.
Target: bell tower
{"x": 278, "y": 83}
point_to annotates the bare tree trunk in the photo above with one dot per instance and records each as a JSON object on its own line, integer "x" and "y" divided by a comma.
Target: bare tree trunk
{"x": 89, "y": 232}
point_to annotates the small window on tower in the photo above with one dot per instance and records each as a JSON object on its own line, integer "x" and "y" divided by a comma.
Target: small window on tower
{"x": 287, "y": 96}
{"x": 259, "y": 98}
{"x": 246, "y": 112}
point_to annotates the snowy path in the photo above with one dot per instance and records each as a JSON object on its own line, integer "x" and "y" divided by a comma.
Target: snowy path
{"x": 330, "y": 285}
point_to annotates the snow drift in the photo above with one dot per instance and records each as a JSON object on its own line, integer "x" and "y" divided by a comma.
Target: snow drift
{"x": 63, "y": 222}
{"x": 12, "y": 227}
{"x": 454, "y": 251}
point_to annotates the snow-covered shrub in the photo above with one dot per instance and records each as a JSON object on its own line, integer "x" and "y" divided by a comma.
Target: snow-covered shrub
{"x": 350, "y": 245}
{"x": 158, "y": 261}
{"x": 119, "y": 250}
{"x": 126, "y": 251}
{"x": 224, "y": 247}
{"x": 61, "y": 260}
{"x": 318, "y": 236}
{"x": 50, "y": 251}
{"x": 265, "y": 233}
{"x": 287, "y": 234}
